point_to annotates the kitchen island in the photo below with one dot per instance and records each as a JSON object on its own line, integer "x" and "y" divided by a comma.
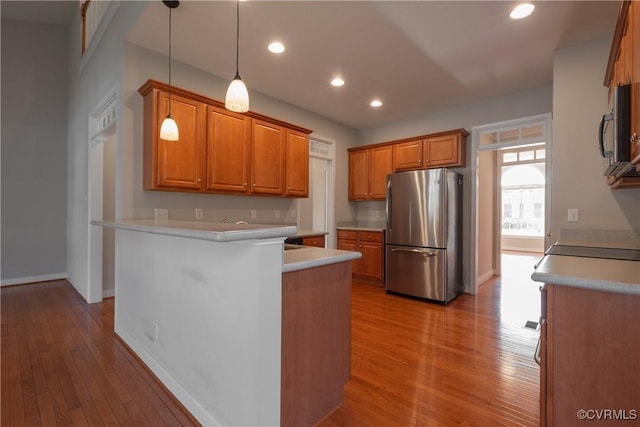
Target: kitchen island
{"x": 589, "y": 339}
{"x": 207, "y": 308}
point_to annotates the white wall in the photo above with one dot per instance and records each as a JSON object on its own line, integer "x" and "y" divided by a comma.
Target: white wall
{"x": 34, "y": 152}
{"x": 142, "y": 64}
{"x": 579, "y": 99}
{"x": 486, "y": 210}
{"x": 88, "y": 85}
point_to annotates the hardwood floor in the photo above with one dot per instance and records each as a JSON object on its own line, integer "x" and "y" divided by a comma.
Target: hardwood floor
{"x": 413, "y": 363}
{"x": 63, "y": 366}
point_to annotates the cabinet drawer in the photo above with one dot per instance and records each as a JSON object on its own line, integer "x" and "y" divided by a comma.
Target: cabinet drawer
{"x": 316, "y": 241}
{"x": 347, "y": 234}
{"x": 370, "y": 236}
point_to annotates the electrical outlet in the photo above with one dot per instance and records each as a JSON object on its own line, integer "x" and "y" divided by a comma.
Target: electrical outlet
{"x": 277, "y": 213}
{"x": 162, "y": 214}
{"x": 292, "y": 213}
{"x": 198, "y": 213}
{"x": 377, "y": 214}
{"x": 573, "y": 215}
{"x": 155, "y": 332}
{"x": 254, "y": 213}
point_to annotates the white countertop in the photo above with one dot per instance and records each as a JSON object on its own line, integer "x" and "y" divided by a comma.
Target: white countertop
{"x": 309, "y": 257}
{"x": 362, "y": 225}
{"x": 609, "y": 275}
{"x": 203, "y": 230}
{"x": 307, "y": 233}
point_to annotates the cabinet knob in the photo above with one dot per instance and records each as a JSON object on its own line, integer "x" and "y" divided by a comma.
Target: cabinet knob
{"x": 245, "y": 184}
{"x": 419, "y": 161}
{"x": 199, "y": 179}
{"x": 634, "y": 137}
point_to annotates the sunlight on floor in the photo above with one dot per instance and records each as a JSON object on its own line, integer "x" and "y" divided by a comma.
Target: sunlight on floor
{"x": 520, "y": 296}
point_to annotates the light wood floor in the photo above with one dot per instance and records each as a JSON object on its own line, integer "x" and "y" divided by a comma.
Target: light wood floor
{"x": 413, "y": 363}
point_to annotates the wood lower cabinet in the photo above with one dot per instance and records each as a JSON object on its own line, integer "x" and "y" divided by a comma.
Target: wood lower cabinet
{"x": 174, "y": 165}
{"x": 220, "y": 151}
{"x": 316, "y": 342}
{"x": 315, "y": 241}
{"x": 590, "y": 357}
{"x": 371, "y": 245}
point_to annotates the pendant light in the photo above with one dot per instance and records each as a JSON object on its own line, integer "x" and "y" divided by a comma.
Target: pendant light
{"x": 237, "y": 98}
{"x": 169, "y": 128}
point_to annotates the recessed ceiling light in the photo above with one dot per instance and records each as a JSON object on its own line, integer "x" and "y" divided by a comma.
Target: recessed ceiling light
{"x": 376, "y": 103}
{"x": 522, "y": 11}
{"x": 337, "y": 82}
{"x": 276, "y": 47}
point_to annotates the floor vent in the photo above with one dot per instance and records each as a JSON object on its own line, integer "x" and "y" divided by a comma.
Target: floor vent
{"x": 531, "y": 324}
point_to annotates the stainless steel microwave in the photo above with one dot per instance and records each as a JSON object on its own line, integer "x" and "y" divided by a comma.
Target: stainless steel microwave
{"x": 615, "y": 127}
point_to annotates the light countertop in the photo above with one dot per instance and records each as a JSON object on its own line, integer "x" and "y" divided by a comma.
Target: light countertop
{"x": 307, "y": 233}
{"x": 203, "y": 230}
{"x": 609, "y": 275}
{"x": 362, "y": 225}
{"x": 309, "y": 257}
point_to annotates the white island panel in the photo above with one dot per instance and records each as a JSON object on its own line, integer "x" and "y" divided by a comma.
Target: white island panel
{"x": 216, "y": 308}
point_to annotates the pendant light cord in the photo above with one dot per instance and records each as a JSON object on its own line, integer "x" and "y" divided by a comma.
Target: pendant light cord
{"x": 169, "y": 62}
{"x": 237, "y": 36}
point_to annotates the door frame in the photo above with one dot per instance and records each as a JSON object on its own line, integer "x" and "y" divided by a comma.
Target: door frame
{"x": 476, "y": 131}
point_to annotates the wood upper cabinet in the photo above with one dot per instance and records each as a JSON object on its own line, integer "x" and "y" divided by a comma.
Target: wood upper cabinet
{"x": 408, "y": 155}
{"x": 267, "y": 158}
{"x": 228, "y": 145}
{"x": 173, "y": 165}
{"x": 444, "y": 150}
{"x": 359, "y": 174}
{"x": 380, "y": 165}
{"x": 368, "y": 169}
{"x": 297, "y": 164}
{"x": 220, "y": 151}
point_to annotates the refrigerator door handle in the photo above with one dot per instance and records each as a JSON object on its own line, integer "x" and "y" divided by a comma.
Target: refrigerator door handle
{"x": 388, "y": 205}
{"x": 423, "y": 252}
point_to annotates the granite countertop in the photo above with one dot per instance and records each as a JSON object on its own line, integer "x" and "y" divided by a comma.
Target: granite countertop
{"x": 309, "y": 257}
{"x": 362, "y": 225}
{"x": 203, "y": 230}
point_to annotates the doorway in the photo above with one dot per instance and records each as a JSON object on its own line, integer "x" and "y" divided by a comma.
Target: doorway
{"x": 510, "y": 194}
{"x": 317, "y": 212}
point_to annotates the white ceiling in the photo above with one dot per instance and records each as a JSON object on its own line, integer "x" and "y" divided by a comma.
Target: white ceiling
{"x": 416, "y": 56}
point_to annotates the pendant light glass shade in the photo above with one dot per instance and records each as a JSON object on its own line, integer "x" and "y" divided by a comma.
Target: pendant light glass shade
{"x": 169, "y": 128}
{"x": 237, "y": 98}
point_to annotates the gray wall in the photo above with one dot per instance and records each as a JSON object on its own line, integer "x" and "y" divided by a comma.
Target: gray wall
{"x": 579, "y": 99}
{"x": 34, "y": 151}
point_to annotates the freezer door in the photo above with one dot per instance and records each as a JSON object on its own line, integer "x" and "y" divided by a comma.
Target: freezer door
{"x": 419, "y": 272}
{"x": 417, "y": 208}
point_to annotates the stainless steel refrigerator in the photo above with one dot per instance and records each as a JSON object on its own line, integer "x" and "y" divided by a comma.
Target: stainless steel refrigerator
{"x": 423, "y": 248}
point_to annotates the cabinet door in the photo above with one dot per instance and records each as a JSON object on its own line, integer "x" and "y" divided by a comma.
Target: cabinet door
{"x": 267, "y": 158}
{"x": 381, "y": 164}
{"x": 297, "y": 164}
{"x": 407, "y": 155}
{"x": 634, "y": 15}
{"x": 371, "y": 261}
{"x": 359, "y": 175}
{"x": 228, "y": 141}
{"x": 351, "y": 245}
{"x": 443, "y": 150}
{"x": 179, "y": 164}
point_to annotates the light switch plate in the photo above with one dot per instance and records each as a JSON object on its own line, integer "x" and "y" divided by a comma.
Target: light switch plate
{"x": 162, "y": 214}
{"x": 573, "y": 215}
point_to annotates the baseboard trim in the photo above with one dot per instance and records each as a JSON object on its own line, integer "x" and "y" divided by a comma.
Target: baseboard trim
{"x": 486, "y": 276}
{"x": 33, "y": 279}
{"x": 108, "y": 293}
{"x": 165, "y": 378}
